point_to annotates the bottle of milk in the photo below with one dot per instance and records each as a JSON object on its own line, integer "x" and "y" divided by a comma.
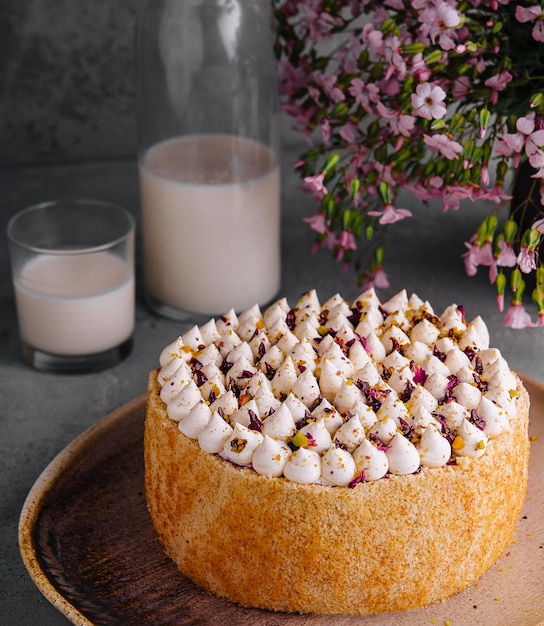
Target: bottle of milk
{"x": 208, "y": 119}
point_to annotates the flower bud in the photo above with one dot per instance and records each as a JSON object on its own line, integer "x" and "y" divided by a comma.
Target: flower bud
{"x": 532, "y": 237}
{"x": 538, "y": 298}
{"x": 510, "y": 229}
{"x": 355, "y": 185}
{"x": 540, "y": 276}
{"x": 491, "y": 222}
{"x": 502, "y": 170}
{"x": 485, "y": 118}
{"x": 331, "y": 162}
{"x": 517, "y": 285}
{"x": 385, "y": 192}
{"x": 500, "y": 283}
{"x": 379, "y": 255}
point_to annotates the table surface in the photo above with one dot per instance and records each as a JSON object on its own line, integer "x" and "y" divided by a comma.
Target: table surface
{"x": 42, "y": 413}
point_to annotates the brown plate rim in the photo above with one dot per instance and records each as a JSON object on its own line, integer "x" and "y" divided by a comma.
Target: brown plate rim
{"x": 61, "y": 464}
{"x": 38, "y": 493}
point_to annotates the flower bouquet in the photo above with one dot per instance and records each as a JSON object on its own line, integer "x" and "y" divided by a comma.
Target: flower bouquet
{"x": 439, "y": 98}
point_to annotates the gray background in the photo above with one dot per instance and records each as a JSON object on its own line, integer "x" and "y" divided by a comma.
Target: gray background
{"x": 66, "y": 80}
{"x": 67, "y": 127}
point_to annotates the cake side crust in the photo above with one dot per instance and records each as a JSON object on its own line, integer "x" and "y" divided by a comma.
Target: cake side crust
{"x": 397, "y": 543}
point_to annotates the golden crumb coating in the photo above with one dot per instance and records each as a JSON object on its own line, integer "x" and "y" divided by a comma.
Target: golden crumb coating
{"x": 393, "y": 544}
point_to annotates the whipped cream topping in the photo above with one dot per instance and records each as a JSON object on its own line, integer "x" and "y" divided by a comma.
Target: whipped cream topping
{"x": 336, "y": 393}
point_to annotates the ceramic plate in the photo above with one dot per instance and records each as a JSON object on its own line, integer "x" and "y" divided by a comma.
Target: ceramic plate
{"x": 88, "y": 543}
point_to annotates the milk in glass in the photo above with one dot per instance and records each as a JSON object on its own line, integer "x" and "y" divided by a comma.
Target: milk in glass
{"x": 210, "y": 223}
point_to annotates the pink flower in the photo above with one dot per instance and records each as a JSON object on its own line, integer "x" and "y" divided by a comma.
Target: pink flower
{"x": 485, "y": 254}
{"x": 526, "y": 137}
{"x": 330, "y": 88}
{"x": 493, "y": 271}
{"x": 380, "y": 279}
{"x": 484, "y": 175}
{"x": 293, "y": 78}
{"x": 499, "y": 81}
{"x": 373, "y": 38}
{"x": 502, "y": 148}
{"x": 390, "y": 86}
{"x": 395, "y": 4}
{"x": 452, "y": 196}
{"x": 345, "y": 242}
{"x": 347, "y": 132}
{"x": 364, "y": 93}
{"x": 539, "y": 225}
{"x": 406, "y": 123}
{"x": 427, "y": 101}
{"x": 507, "y": 256}
{"x": 401, "y": 124}
{"x": 317, "y": 222}
{"x": 326, "y": 131}
{"x": 527, "y": 14}
{"x": 437, "y": 19}
{"x": 536, "y": 159}
{"x": 391, "y": 142}
{"x": 390, "y": 215}
{"x": 315, "y": 183}
{"x": 377, "y": 278}
{"x": 460, "y": 87}
{"x": 514, "y": 141}
{"x": 538, "y": 31}
{"x": 443, "y": 144}
{"x": 476, "y": 255}
{"x": 396, "y": 64}
{"x": 319, "y": 22}
{"x": 517, "y": 317}
{"x": 420, "y": 69}
{"x": 526, "y": 259}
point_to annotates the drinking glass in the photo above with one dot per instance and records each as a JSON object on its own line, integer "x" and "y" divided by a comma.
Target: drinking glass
{"x": 72, "y": 264}
{"x": 208, "y": 120}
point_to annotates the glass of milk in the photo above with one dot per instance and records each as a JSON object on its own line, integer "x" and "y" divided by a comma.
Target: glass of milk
{"x": 73, "y": 274}
{"x": 208, "y": 121}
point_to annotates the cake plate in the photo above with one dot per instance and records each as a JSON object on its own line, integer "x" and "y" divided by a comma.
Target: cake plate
{"x": 88, "y": 543}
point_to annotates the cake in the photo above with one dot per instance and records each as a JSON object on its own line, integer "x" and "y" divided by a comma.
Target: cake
{"x": 336, "y": 457}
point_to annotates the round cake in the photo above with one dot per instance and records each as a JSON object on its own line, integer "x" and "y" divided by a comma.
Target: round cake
{"x": 336, "y": 457}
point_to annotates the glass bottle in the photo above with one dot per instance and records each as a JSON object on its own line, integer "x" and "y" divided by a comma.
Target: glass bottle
{"x": 208, "y": 119}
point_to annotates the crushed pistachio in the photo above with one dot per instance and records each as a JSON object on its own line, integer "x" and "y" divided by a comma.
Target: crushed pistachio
{"x": 300, "y": 440}
{"x": 458, "y": 443}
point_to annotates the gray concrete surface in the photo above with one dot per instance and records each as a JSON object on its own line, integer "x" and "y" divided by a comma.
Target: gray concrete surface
{"x": 67, "y": 127}
{"x": 42, "y": 413}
